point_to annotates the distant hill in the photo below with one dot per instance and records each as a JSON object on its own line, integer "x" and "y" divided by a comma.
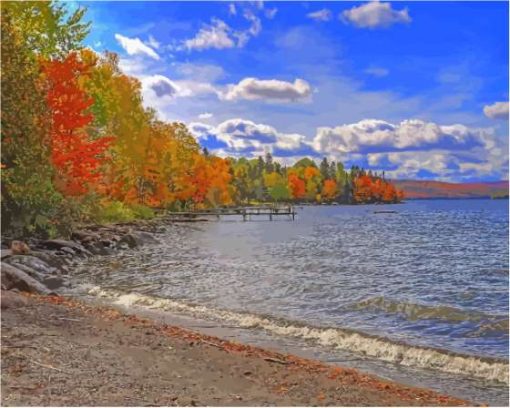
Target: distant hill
{"x": 440, "y": 189}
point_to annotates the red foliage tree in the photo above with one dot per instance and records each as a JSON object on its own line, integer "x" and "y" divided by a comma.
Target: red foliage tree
{"x": 296, "y": 186}
{"x": 76, "y": 158}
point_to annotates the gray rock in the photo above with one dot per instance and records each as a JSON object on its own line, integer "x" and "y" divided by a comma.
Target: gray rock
{"x": 6, "y": 253}
{"x": 58, "y": 244}
{"x": 31, "y": 261}
{"x": 33, "y": 273}
{"x": 85, "y": 236}
{"x": 53, "y": 282}
{"x": 14, "y": 278}
{"x": 50, "y": 258}
{"x": 68, "y": 250}
{"x": 138, "y": 238}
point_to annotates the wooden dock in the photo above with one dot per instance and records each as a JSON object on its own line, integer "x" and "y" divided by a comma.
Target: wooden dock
{"x": 245, "y": 212}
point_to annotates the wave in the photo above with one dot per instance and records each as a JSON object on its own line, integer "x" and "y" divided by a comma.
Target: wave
{"x": 344, "y": 339}
{"x": 415, "y": 311}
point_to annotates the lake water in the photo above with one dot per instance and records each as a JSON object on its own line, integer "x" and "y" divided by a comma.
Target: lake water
{"x": 425, "y": 288}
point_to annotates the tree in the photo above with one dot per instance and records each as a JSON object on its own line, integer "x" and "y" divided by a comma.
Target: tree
{"x": 329, "y": 190}
{"x": 324, "y": 169}
{"x": 75, "y": 156}
{"x": 47, "y": 28}
{"x": 296, "y": 186}
{"x": 29, "y": 200}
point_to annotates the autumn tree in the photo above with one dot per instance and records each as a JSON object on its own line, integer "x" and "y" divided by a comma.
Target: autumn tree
{"x": 76, "y": 157}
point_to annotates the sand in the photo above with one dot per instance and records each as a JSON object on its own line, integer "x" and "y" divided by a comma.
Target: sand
{"x": 58, "y": 351}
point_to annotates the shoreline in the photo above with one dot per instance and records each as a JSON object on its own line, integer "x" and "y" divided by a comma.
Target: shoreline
{"x": 261, "y": 376}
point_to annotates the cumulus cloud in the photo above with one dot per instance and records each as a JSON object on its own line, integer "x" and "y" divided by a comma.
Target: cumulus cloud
{"x": 268, "y": 90}
{"x": 375, "y": 15}
{"x": 161, "y": 85}
{"x": 377, "y": 72}
{"x": 160, "y": 91}
{"x": 241, "y": 136}
{"x": 377, "y": 135}
{"x": 498, "y": 110}
{"x": 320, "y": 15}
{"x": 215, "y": 35}
{"x": 134, "y": 46}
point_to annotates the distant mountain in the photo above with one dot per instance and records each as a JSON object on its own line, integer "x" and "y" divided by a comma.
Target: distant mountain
{"x": 440, "y": 189}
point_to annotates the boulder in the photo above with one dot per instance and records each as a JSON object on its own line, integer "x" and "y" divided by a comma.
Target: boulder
{"x": 49, "y": 258}
{"x": 84, "y": 236}
{"x": 14, "y": 278}
{"x": 32, "y": 262}
{"x": 68, "y": 250}
{"x": 53, "y": 282}
{"x": 58, "y": 244}
{"x": 32, "y": 272}
{"x": 6, "y": 253}
{"x": 138, "y": 238}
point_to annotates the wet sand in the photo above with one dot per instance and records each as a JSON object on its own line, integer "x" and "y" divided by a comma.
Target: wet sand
{"x": 57, "y": 352}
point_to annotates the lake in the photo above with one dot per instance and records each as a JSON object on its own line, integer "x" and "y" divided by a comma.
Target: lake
{"x": 423, "y": 290}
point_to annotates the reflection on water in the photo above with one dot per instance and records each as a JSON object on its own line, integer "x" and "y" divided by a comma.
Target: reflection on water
{"x": 434, "y": 274}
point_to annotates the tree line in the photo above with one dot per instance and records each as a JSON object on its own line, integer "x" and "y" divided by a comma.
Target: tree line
{"x": 78, "y": 145}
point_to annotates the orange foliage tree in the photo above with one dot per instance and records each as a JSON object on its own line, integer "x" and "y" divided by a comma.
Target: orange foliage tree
{"x": 329, "y": 189}
{"x": 75, "y": 156}
{"x": 296, "y": 186}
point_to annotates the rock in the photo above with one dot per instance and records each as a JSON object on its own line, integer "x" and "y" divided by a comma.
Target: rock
{"x": 85, "y": 236}
{"x": 19, "y": 248}
{"x": 60, "y": 243}
{"x": 53, "y": 282}
{"x": 14, "y": 278}
{"x": 6, "y": 253}
{"x": 138, "y": 238}
{"x": 50, "y": 258}
{"x": 28, "y": 270}
{"x": 31, "y": 261}
{"x": 68, "y": 250}
{"x": 11, "y": 300}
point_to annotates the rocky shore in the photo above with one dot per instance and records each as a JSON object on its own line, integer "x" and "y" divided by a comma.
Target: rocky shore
{"x": 43, "y": 266}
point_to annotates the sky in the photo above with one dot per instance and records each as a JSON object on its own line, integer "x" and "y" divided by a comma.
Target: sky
{"x": 417, "y": 89}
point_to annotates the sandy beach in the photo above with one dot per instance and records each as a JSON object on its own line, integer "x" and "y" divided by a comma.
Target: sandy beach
{"x": 57, "y": 352}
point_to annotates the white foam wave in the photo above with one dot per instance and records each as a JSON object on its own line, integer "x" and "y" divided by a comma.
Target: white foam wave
{"x": 352, "y": 341}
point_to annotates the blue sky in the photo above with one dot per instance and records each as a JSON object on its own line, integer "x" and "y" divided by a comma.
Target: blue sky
{"x": 418, "y": 89}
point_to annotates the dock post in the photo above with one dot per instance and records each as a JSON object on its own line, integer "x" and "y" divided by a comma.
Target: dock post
{"x": 244, "y": 214}
{"x": 270, "y": 215}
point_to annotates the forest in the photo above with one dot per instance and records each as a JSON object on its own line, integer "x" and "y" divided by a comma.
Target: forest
{"x": 79, "y": 145}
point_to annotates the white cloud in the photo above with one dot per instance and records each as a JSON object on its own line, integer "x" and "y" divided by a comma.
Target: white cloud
{"x": 160, "y": 85}
{"x": 377, "y": 72}
{"x": 232, "y": 9}
{"x": 205, "y": 116}
{"x": 498, "y": 110}
{"x": 241, "y": 135}
{"x": 375, "y": 14}
{"x": 256, "y": 25}
{"x": 320, "y": 15}
{"x": 371, "y": 135}
{"x": 215, "y": 35}
{"x": 269, "y": 90}
{"x": 134, "y": 46}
